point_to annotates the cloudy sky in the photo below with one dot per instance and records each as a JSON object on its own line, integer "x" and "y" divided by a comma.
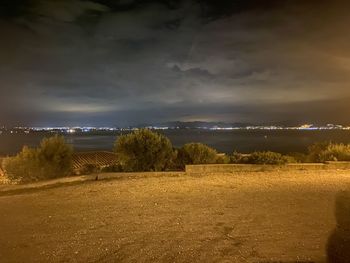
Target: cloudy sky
{"x": 124, "y": 62}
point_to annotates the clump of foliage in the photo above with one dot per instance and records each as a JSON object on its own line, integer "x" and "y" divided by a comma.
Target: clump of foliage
{"x": 299, "y": 157}
{"x": 55, "y": 155}
{"x": 315, "y": 151}
{"x": 238, "y": 158}
{"x": 89, "y": 168}
{"x": 24, "y": 167}
{"x": 223, "y": 159}
{"x": 144, "y": 150}
{"x": 269, "y": 158}
{"x": 196, "y": 153}
{"x": 327, "y": 151}
{"x": 52, "y": 159}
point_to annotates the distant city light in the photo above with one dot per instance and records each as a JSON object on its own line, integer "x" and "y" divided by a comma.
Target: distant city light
{"x": 77, "y": 129}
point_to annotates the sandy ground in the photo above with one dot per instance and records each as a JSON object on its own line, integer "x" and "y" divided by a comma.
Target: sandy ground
{"x": 244, "y": 217}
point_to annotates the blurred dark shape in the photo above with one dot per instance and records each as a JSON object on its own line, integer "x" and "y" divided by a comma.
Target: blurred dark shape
{"x": 338, "y": 246}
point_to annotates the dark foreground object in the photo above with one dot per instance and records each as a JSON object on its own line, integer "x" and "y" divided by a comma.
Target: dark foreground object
{"x": 338, "y": 248}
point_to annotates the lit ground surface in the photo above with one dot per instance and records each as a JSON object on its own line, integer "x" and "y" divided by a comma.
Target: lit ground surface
{"x": 256, "y": 217}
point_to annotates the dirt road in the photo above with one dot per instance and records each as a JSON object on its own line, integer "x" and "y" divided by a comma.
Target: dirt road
{"x": 247, "y": 217}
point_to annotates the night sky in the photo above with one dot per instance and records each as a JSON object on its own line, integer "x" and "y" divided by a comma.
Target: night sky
{"x": 126, "y": 62}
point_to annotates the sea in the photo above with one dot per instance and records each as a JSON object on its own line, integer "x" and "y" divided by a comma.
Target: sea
{"x": 224, "y": 141}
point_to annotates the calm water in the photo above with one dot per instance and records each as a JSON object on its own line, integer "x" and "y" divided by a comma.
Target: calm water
{"x": 223, "y": 141}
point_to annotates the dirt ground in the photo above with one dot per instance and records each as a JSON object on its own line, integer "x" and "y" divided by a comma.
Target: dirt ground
{"x": 243, "y": 217}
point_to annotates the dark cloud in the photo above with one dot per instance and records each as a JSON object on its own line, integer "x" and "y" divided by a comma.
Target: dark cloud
{"x": 110, "y": 62}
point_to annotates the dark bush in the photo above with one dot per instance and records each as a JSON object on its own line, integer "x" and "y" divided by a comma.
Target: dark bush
{"x": 299, "y": 157}
{"x": 24, "y": 167}
{"x": 315, "y": 151}
{"x": 144, "y": 150}
{"x": 238, "y": 158}
{"x": 51, "y": 160}
{"x": 223, "y": 159}
{"x": 89, "y": 168}
{"x": 55, "y": 156}
{"x": 322, "y": 152}
{"x": 268, "y": 158}
{"x": 196, "y": 153}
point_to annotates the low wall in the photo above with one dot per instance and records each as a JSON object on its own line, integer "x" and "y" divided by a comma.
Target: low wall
{"x": 231, "y": 168}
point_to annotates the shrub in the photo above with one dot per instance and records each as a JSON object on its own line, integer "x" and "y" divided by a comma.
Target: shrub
{"x": 55, "y": 156}
{"x": 24, "y": 167}
{"x": 237, "y": 157}
{"x": 269, "y": 158}
{"x": 336, "y": 152}
{"x": 196, "y": 153}
{"x": 51, "y": 160}
{"x": 223, "y": 159}
{"x": 315, "y": 151}
{"x": 144, "y": 150}
{"x": 322, "y": 152}
{"x": 89, "y": 168}
{"x": 299, "y": 157}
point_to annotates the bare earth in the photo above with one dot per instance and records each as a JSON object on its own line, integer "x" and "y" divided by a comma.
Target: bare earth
{"x": 244, "y": 217}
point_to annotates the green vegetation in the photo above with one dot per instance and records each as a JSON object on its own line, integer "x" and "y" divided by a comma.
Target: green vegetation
{"x": 315, "y": 151}
{"x": 196, "y": 153}
{"x": 144, "y": 150}
{"x": 89, "y": 168}
{"x": 52, "y": 159}
{"x": 265, "y": 157}
{"x": 327, "y": 151}
{"x": 237, "y": 158}
{"x": 299, "y": 157}
{"x": 223, "y": 159}
{"x": 24, "y": 167}
{"x": 268, "y": 158}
